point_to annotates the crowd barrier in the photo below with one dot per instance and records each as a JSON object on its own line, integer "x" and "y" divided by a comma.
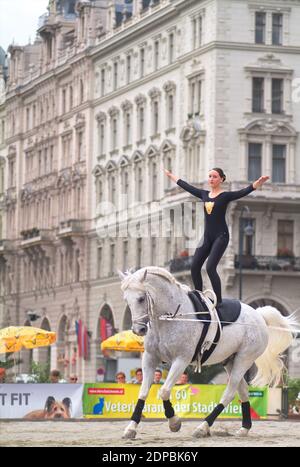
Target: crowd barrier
{"x": 110, "y": 400}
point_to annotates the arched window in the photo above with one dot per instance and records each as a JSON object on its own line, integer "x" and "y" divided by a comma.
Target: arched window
{"x": 26, "y": 357}
{"x": 61, "y": 344}
{"x": 106, "y": 366}
{"x": 127, "y": 324}
{"x": 44, "y": 353}
{"x": 81, "y": 92}
{"x": 71, "y": 97}
{"x": 106, "y": 327}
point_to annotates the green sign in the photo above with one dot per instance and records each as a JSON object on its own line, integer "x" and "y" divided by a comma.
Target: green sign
{"x": 110, "y": 400}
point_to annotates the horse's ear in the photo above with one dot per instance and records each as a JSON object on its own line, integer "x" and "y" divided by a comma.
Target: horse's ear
{"x": 121, "y": 275}
{"x": 145, "y": 275}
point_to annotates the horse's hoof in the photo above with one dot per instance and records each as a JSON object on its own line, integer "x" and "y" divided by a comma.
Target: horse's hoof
{"x": 129, "y": 434}
{"x": 174, "y": 424}
{"x": 202, "y": 431}
{"x": 242, "y": 432}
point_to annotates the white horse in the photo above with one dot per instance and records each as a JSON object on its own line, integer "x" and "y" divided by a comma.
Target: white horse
{"x": 152, "y": 292}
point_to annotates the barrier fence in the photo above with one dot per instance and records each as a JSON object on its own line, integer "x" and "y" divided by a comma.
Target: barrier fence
{"x": 110, "y": 400}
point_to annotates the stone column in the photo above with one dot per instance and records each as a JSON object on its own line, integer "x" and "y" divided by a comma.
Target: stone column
{"x": 267, "y": 161}
{"x": 243, "y": 158}
{"x": 291, "y": 163}
{"x": 268, "y": 94}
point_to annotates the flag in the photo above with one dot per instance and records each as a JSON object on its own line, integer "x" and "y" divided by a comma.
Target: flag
{"x": 79, "y": 333}
{"x": 85, "y": 343}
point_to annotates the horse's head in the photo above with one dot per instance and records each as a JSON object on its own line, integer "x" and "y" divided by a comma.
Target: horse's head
{"x": 150, "y": 292}
{"x": 138, "y": 299}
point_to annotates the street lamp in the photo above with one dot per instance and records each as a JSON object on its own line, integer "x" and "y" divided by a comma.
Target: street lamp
{"x": 32, "y": 315}
{"x": 248, "y": 230}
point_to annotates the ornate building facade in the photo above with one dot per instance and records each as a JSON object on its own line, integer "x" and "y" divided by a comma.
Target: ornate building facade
{"x": 3, "y": 80}
{"x": 110, "y": 94}
{"x": 47, "y": 200}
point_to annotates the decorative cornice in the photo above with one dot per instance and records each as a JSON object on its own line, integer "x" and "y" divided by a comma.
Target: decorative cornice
{"x": 113, "y": 111}
{"x": 26, "y": 193}
{"x": 268, "y": 62}
{"x": 12, "y": 151}
{"x": 154, "y": 93}
{"x": 152, "y": 151}
{"x": 169, "y": 86}
{"x": 80, "y": 120}
{"x": 111, "y": 166}
{"x": 189, "y": 133}
{"x": 126, "y": 105}
{"x": 264, "y": 7}
{"x": 140, "y": 100}
{"x": 269, "y": 127}
{"x": 65, "y": 178}
{"x": 124, "y": 161}
{"x": 101, "y": 117}
{"x": 137, "y": 157}
{"x": 98, "y": 170}
{"x": 167, "y": 145}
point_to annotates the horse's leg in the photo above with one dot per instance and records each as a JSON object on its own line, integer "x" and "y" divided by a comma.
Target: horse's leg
{"x": 176, "y": 370}
{"x": 240, "y": 366}
{"x": 149, "y": 364}
{"x": 243, "y": 391}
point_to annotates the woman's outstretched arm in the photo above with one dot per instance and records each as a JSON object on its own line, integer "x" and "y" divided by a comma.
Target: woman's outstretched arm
{"x": 232, "y": 195}
{"x": 186, "y": 186}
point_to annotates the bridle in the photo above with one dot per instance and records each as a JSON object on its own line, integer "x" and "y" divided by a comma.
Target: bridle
{"x": 149, "y": 312}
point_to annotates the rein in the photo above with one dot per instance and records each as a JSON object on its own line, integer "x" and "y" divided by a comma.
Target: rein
{"x": 149, "y": 314}
{"x": 276, "y": 328}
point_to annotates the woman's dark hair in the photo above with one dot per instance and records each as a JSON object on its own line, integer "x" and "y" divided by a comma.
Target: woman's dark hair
{"x": 220, "y": 172}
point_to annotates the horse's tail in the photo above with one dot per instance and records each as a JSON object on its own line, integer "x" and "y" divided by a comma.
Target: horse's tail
{"x": 270, "y": 364}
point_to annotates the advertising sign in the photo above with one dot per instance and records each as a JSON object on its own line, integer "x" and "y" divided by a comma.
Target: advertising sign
{"x": 41, "y": 401}
{"x": 109, "y": 400}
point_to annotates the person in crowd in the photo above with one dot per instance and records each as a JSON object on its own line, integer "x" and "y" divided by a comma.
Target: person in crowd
{"x": 73, "y": 379}
{"x": 2, "y": 375}
{"x": 55, "y": 377}
{"x": 157, "y": 376}
{"x": 138, "y": 376}
{"x": 121, "y": 378}
{"x": 184, "y": 378}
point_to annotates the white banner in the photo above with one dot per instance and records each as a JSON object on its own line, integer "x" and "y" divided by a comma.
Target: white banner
{"x": 41, "y": 401}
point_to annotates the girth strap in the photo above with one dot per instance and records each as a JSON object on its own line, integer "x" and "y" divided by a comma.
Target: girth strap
{"x": 200, "y": 307}
{"x": 209, "y": 351}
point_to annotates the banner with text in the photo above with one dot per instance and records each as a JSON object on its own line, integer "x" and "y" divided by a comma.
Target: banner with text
{"x": 41, "y": 401}
{"x": 109, "y": 400}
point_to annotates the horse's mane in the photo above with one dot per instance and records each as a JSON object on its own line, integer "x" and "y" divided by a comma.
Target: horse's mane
{"x": 135, "y": 280}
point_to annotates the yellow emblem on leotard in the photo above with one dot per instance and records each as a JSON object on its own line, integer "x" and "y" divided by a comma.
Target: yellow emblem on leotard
{"x": 209, "y": 205}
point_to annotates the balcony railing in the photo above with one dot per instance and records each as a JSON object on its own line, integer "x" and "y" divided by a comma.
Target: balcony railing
{"x": 268, "y": 263}
{"x": 70, "y": 227}
{"x": 258, "y": 263}
{"x": 181, "y": 264}
{"x": 6, "y": 245}
{"x": 35, "y": 235}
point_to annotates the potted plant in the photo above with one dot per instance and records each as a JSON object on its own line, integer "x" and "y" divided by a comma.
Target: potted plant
{"x": 184, "y": 253}
{"x": 285, "y": 253}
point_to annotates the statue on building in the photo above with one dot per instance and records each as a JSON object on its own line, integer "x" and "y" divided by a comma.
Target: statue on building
{"x": 52, "y": 7}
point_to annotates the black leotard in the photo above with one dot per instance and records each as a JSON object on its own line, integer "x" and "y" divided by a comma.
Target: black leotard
{"x": 215, "y": 208}
{"x": 216, "y": 235}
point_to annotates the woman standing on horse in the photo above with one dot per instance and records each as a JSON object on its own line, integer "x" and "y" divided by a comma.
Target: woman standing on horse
{"x": 216, "y": 235}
